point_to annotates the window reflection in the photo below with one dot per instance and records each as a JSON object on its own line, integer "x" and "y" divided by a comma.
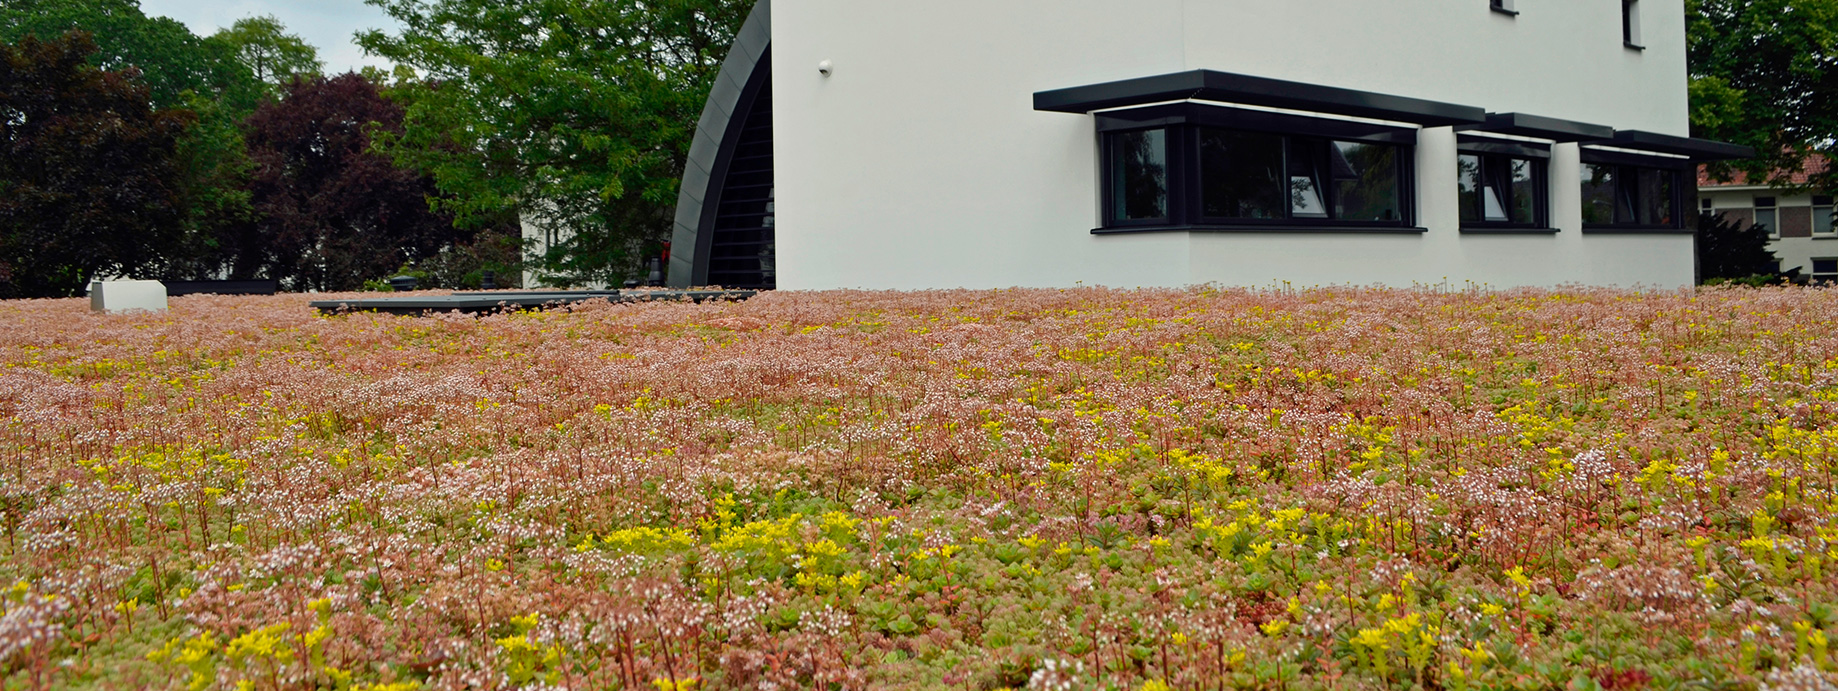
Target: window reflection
{"x": 1653, "y": 197}
{"x": 1240, "y": 174}
{"x": 1139, "y": 173}
{"x": 1305, "y": 179}
{"x": 1598, "y": 194}
{"x": 1498, "y": 189}
{"x": 1191, "y": 174}
{"x": 1632, "y": 196}
{"x": 1366, "y": 182}
{"x": 1252, "y": 175}
{"x": 1524, "y": 192}
{"x": 1468, "y": 186}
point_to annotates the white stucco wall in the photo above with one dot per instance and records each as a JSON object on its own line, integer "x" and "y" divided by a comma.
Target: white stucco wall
{"x": 921, "y": 163}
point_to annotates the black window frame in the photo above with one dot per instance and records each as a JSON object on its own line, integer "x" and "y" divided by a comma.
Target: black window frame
{"x": 1630, "y": 25}
{"x": 1539, "y": 155}
{"x": 1186, "y": 204}
{"x": 1170, "y": 155}
{"x": 1684, "y": 185}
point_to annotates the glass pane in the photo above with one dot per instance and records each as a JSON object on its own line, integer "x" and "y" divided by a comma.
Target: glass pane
{"x": 1825, "y": 266}
{"x": 1139, "y": 175}
{"x": 1305, "y": 179}
{"x": 1498, "y": 173}
{"x": 1765, "y": 219}
{"x": 1495, "y": 211}
{"x": 1598, "y": 194}
{"x": 1654, "y": 197}
{"x": 1366, "y": 182}
{"x": 1241, "y": 174}
{"x": 1525, "y": 192}
{"x": 1822, "y": 219}
{"x": 1468, "y": 181}
{"x": 1627, "y": 191}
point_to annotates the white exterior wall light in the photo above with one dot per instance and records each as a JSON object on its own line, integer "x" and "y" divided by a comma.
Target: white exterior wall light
{"x": 826, "y": 68}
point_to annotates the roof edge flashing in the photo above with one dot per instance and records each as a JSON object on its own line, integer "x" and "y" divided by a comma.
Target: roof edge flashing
{"x": 1540, "y": 127}
{"x": 1227, "y": 87}
{"x": 1697, "y": 150}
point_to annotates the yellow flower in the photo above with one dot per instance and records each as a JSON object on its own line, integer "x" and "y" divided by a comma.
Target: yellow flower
{"x": 663, "y": 684}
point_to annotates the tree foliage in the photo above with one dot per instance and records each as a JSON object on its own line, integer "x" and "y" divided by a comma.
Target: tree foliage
{"x": 171, "y": 59}
{"x": 272, "y": 55}
{"x": 1765, "y": 73}
{"x": 87, "y": 170}
{"x": 578, "y": 112}
{"x": 1729, "y": 250}
{"x": 331, "y": 213}
{"x": 180, "y": 70}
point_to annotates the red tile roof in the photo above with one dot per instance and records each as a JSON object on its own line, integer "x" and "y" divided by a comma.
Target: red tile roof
{"x": 1815, "y": 164}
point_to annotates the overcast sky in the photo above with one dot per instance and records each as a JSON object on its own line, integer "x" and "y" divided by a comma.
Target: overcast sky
{"x": 326, "y": 24}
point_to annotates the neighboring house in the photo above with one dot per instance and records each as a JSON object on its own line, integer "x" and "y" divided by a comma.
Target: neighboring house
{"x": 1052, "y": 143}
{"x": 1799, "y": 223}
{"x": 542, "y": 231}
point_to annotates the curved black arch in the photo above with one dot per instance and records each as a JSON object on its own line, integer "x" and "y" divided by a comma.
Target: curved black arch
{"x": 725, "y": 207}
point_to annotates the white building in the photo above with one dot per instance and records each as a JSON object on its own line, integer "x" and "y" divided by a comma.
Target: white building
{"x": 997, "y": 143}
{"x": 1799, "y": 223}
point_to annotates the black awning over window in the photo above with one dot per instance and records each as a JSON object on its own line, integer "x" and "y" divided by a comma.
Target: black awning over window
{"x": 1540, "y": 127}
{"x": 1208, "y": 85}
{"x": 1696, "y": 149}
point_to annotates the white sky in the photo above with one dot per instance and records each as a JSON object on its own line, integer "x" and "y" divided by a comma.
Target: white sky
{"x": 325, "y": 24}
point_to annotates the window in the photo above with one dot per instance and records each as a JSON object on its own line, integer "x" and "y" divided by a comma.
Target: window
{"x": 1704, "y": 205}
{"x": 1139, "y": 176}
{"x": 1208, "y": 177}
{"x": 1240, "y": 175}
{"x": 1768, "y": 216}
{"x": 1825, "y": 270}
{"x": 1630, "y": 24}
{"x": 1630, "y": 197}
{"x": 1503, "y": 6}
{"x": 1501, "y": 191}
{"x": 1274, "y": 178}
{"x": 1821, "y": 215}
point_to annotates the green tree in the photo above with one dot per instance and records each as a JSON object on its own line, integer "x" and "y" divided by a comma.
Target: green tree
{"x": 580, "y": 111}
{"x": 180, "y": 70}
{"x": 1763, "y": 74}
{"x": 1728, "y": 250}
{"x": 214, "y": 172}
{"x": 87, "y": 170}
{"x": 172, "y": 60}
{"x": 263, "y": 45}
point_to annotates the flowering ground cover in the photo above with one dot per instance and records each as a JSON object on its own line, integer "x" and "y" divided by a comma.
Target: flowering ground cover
{"x": 1056, "y": 489}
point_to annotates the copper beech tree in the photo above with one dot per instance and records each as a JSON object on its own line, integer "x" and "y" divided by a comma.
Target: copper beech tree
{"x": 332, "y": 214}
{"x": 87, "y": 170}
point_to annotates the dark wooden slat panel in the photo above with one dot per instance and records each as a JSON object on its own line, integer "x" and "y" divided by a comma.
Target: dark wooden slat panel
{"x": 741, "y": 254}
